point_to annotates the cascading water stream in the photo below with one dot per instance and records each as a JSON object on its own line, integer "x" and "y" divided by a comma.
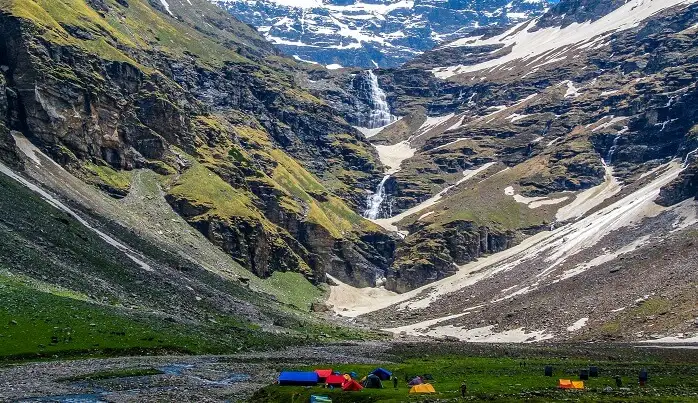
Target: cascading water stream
{"x": 380, "y": 115}
{"x": 614, "y": 147}
{"x": 374, "y": 201}
{"x": 689, "y": 157}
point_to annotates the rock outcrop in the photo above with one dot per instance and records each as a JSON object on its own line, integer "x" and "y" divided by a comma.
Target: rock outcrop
{"x": 430, "y": 254}
{"x": 264, "y": 169}
{"x": 8, "y": 149}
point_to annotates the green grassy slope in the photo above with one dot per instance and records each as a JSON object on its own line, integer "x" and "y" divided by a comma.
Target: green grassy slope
{"x": 66, "y": 292}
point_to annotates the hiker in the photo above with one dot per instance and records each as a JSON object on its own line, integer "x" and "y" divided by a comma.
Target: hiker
{"x": 463, "y": 389}
{"x": 619, "y": 381}
{"x": 394, "y": 382}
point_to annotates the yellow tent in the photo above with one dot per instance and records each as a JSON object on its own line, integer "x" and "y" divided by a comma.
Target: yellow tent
{"x": 423, "y": 388}
{"x": 568, "y": 384}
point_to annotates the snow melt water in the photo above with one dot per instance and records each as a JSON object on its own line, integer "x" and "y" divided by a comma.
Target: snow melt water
{"x": 614, "y": 147}
{"x": 374, "y": 201}
{"x": 380, "y": 116}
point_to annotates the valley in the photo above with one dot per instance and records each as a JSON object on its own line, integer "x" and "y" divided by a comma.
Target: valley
{"x": 189, "y": 209}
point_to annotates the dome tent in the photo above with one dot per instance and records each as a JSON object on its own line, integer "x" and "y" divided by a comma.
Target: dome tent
{"x": 423, "y": 388}
{"x": 373, "y": 382}
{"x": 382, "y": 373}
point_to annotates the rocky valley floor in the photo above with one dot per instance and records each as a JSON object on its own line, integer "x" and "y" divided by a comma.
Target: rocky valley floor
{"x": 246, "y": 377}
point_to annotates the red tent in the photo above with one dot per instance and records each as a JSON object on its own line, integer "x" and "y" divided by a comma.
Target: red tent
{"x": 335, "y": 380}
{"x": 352, "y": 385}
{"x": 323, "y": 374}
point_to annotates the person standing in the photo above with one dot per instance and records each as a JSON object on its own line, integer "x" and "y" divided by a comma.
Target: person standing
{"x": 463, "y": 389}
{"x": 394, "y": 382}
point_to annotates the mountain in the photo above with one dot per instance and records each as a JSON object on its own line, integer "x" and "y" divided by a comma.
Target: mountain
{"x": 164, "y": 176}
{"x": 543, "y": 178}
{"x": 173, "y": 184}
{"x": 375, "y": 33}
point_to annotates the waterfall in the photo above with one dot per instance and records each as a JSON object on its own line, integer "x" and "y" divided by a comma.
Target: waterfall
{"x": 380, "y": 114}
{"x": 374, "y": 201}
{"x": 614, "y": 147}
{"x": 690, "y": 155}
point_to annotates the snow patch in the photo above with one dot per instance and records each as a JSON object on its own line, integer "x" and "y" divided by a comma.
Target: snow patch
{"x": 431, "y": 123}
{"x": 167, "y": 6}
{"x": 425, "y": 215}
{"x": 572, "y": 91}
{"x": 590, "y": 198}
{"x": 681, "y": 338}
{"x": 577, "y": 325}
{"x": 393, "y": 156}
{"x": 479, "y": 335}
{"x": 533, "y": 202}
{"x": 351, "y": 301}
{"x": 368, "y": 133}
{"x": 27, "y": 147}
{"x": 527, "y": 43}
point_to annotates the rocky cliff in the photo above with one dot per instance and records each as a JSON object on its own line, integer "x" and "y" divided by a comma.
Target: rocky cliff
{"x": 506, "y": 125}
{"x": 8, "y": 150}
{"x": 265, "y": 170}
{"x": 560, "y": 153}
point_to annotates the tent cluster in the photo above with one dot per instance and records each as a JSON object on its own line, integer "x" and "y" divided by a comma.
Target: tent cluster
{"x": 334, "y": 379}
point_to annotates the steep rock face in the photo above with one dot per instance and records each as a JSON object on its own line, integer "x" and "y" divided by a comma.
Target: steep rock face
{"x": 555, "y": 111}
{"x": 685, "y": 187}
{"x": 429, "y": 255}
{"x": 225, "y": 118}
{"x": 8, "y": 151}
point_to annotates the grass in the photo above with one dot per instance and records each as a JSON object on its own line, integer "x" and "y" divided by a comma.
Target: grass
{"x": 115, "y": 37}
{"x": 325, "y": 209}
{"x": 493, "y": 207}
{"x": 66, "y": 293}
{"x": 103, "y": 174}
{"x": 206, "y": 189}
{"x": 625, "y": 320}
{"x": 43, "y": 324}
{"x": 294, "y": 289}
{"x": 503, "y": 379}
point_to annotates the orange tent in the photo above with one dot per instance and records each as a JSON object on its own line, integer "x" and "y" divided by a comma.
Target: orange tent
{"x": 423, "y": 388}
{"x": 568, "y": 384}
{"x": 352, "y": 385}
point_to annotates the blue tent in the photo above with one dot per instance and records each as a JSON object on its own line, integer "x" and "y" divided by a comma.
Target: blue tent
{"x": 382, "y": 373}
{"x": 298, "y": 378}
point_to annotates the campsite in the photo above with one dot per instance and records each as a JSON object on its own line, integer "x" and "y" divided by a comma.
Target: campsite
{"x": 501, "y": 373}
